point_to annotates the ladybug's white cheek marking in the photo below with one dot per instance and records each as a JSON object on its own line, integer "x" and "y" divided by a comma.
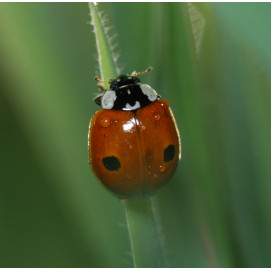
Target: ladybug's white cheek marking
{"x": 150, "y": 92}
{"x": 108, "y": 99}
{"x": 129, "y": 107}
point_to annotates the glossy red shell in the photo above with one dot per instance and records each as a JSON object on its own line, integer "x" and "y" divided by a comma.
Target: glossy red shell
{"x": 138, "y": 140}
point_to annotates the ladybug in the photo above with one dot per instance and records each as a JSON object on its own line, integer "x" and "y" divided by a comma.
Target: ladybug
{"x": 134, "y": 143}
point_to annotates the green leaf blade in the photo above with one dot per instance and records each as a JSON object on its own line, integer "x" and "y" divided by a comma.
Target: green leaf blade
{"x": 105, "y": 55}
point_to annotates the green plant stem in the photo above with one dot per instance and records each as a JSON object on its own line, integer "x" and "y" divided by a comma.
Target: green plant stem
{"x": 145, "y": 230}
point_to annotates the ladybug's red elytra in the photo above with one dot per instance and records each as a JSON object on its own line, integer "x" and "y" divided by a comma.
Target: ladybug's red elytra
{"x": 134, "y": 143}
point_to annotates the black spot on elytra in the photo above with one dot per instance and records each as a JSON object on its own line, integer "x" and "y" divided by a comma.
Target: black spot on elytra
{"x": 169, "y": 153}
{"x": 111, "y": 163}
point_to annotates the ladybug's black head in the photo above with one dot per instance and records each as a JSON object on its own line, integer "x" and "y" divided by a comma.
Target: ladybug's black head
{"x": 124, "y": 80}
{"x": 126, "y": 93}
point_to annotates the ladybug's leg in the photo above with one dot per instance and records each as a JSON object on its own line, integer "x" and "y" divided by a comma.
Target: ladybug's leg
{"x": 134, "y": 73}
{"x": 100, "y": 87}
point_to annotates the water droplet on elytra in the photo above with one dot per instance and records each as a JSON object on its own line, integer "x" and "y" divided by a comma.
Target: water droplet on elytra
{"x": 142, "y": 127}
{"x": 162, "y": 168}
{"x": 105, "y": 122}
{"x": 156, "y": 116}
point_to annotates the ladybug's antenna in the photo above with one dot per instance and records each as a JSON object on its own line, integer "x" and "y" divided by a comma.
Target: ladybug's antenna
{"x": 103, "y": 80}
{"x": 134, "y": 74}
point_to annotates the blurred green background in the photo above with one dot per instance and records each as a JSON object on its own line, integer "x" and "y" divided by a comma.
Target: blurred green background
{"x": 212, "y": 63}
